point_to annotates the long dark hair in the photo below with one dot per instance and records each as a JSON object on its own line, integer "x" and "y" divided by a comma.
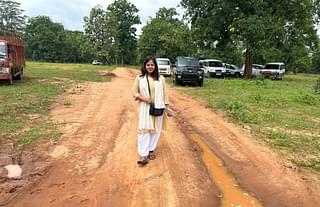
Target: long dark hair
{"x": 155, "y": 74}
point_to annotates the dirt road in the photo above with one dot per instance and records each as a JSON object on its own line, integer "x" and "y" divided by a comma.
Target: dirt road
{"x": 94, "y": 164}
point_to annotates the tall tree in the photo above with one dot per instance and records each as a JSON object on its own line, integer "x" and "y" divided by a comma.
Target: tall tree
{"x": 11, "y": 16}
{"x": 122, "y": 17}
{"x": 164, "y": 36}
{"x": 113, "y": 32}
{"x": 45, "y": 39}
{"x": 99, "y": 34}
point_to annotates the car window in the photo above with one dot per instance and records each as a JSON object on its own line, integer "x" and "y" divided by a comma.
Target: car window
{"x": 2, "y": 50}
{"x": 215, "y": 64}
{"x": 259, "y": 67}
{"x": 272, "y": 66}
{"x": 163, "y": 62}
{"x": 187, "y": 62}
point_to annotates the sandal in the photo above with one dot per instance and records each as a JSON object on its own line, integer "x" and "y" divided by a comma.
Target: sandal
{"x": 143, "y": 161}
{"x": 152, "y": 155}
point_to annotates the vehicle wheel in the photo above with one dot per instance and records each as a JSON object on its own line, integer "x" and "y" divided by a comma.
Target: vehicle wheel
{"x": 208, "y": 74}
{"x": 19, "y": 77}
{"x": 280, "y": 77}
{"x": 10, "y": 81}
{"x": 200, "y": 83}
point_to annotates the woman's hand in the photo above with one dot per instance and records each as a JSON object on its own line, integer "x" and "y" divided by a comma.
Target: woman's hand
{"x": 146, "y": 99}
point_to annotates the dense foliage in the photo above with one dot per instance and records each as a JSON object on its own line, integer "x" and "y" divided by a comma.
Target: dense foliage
{"x": 164, "y": 36}
{"x": 268, "y": 30}
{"x": 111, "y": 32}
{"x": 11, "y": 16}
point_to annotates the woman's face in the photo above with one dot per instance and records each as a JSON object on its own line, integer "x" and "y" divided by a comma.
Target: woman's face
{"x": 150, "y": 66}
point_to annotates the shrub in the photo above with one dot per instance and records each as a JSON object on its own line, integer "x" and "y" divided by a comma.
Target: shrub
{"x": 317, "y": 87}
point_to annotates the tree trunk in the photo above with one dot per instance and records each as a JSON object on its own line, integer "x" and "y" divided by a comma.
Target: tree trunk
{"x": 248, "y": 64}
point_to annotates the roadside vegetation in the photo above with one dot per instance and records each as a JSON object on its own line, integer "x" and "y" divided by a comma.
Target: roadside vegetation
{"x": 284, "y": 114}
{"x": 24, "y": 106}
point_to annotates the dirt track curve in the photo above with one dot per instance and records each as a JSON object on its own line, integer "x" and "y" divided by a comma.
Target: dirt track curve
{"x": 94, "y": 164}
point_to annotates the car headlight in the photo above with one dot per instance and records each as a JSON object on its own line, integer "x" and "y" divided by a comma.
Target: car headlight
{"x": 4, "y": 70}
{"x": 200, "y": 71}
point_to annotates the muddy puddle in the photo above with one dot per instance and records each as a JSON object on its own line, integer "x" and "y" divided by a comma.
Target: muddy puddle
{"x": 232, "y": 194}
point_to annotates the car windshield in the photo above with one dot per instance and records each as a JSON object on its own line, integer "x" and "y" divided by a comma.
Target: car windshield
{"x": 163, "y": 62}
{"x": 188, "y": 62}
{"x": 259, "y": 67}
{"x": 272, "y": 67}
{"x": 215, "y": 64}
{"x": 2, "y": 50}
{"x": 233, "y": 67}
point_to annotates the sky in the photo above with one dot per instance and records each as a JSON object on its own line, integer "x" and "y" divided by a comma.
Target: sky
{"x": 70, "y": 13}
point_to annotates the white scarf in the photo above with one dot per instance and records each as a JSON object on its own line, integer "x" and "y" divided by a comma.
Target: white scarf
{"x": 145, "y": 119}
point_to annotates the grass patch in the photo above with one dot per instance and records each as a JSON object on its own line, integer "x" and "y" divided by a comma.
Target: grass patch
{"x": 285, "y": 114}
{"x": 24, "y": 104}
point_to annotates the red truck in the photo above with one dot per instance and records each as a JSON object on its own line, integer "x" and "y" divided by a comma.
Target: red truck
{"x": 12, "y": 57}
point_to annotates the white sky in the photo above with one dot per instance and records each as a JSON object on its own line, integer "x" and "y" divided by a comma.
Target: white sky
{"x": 70, "y": 13}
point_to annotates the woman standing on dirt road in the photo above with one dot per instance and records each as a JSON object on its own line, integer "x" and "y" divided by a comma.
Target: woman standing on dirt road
{"x": 149, "y": 87}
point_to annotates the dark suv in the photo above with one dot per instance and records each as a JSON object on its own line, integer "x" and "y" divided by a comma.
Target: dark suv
{"x": 187, "y": 70}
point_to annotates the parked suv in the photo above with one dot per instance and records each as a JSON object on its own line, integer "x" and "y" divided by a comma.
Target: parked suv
{"x": 212, "y": 67}
{"x": 164, "y": 66}
{"x": 187, "y": 70}
{"x": 274, "y": 70}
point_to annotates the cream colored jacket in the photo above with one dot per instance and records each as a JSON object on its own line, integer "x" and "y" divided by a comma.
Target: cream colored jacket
{"x": 136, "y": 93}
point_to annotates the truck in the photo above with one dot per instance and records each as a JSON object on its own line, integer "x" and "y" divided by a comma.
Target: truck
{"x": 12, "y": 56}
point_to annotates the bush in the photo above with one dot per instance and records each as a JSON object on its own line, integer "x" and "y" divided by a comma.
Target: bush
{"x": 317, "y": 87}
{"x": 238, "y": 111}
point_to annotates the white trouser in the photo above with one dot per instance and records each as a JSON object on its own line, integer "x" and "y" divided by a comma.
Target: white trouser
{"x": 148, "y": 141}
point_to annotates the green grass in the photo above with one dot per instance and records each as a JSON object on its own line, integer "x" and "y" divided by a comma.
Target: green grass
{"x": 32, "y": 97}
{"x": 285, "y": 114}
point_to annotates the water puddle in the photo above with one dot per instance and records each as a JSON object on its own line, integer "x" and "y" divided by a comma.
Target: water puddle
{"x": 233, "y": 195}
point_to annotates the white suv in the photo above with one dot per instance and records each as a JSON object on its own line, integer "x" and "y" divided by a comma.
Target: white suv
{"x": 212, "y": 67}
{"x": 164, "y": 66}
{"x": 274, "y": 70}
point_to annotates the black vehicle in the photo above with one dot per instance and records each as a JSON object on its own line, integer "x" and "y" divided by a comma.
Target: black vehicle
{"x": 187, "y": 70}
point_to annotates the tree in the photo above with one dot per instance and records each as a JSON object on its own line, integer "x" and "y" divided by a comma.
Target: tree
{"x": 122, "y": 16}
{"x": 11, "y": 18}
{"x": 112, "y": 32}
{"x": 98, "y": 33}
{"x": 45, "y": 39}
{"x": 164, "y": 36}
{"x": 258, "y": 26}
{"x": 77, "y": 47}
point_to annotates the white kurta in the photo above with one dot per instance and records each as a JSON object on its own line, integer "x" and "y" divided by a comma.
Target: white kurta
{"x": 146, "y": 121}
{"x": 149, "y": 127}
